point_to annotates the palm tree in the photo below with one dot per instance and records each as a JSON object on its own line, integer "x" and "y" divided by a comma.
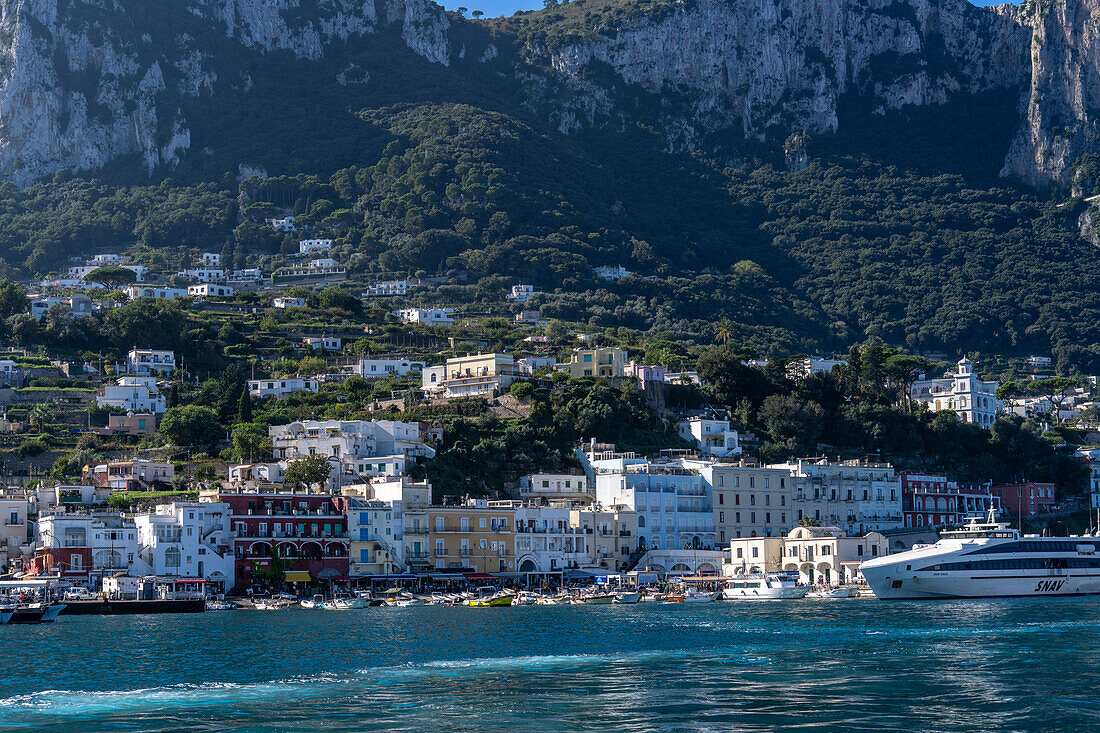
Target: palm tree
{"x": 723, "y": 331}
{"x": 39, "y": 415}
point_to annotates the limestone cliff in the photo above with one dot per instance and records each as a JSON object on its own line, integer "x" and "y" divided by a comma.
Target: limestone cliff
{"x": 785, "y": 63}
{"x": 86, "y": 82}
{"x": 83, "y": 82}
{"x": 1062, "y": 103}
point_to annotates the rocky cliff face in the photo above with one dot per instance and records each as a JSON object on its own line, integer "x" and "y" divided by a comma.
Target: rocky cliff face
{"x": 83, "y": 82}
{"x": 1062, "y": 102}
{"x": 783, "y": 64}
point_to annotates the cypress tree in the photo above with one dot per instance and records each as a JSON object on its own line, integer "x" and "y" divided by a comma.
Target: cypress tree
{"x": 244, "y": 413}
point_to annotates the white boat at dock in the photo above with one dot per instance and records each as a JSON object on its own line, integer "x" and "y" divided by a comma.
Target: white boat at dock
{"x": 831, "y": 593}
{"x": 318, "y": 601}
{"x": 347, "y": 603}
{"x": 769, "y": 586}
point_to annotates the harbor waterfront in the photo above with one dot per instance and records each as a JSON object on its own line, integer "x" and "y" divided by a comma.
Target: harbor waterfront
{"x": 825, "y": 665}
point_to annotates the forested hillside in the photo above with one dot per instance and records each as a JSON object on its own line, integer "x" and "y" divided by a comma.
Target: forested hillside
{"x": 896, "y": 225}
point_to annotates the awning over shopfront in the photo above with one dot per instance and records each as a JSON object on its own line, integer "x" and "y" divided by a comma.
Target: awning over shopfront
{"x": 298, "y": 576}
{"x": 389, "y": 578}
{"x": 578, "y": 575}
{"x": 328, "y": 574}
{"x": 479, "y": 577}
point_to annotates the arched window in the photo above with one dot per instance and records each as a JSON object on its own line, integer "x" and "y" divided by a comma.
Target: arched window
{"x": 172, "y": 557}
{"x": 641, "y": 521}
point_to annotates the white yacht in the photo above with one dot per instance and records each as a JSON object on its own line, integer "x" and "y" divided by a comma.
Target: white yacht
{"x": 764, "y": 587}
{"x": 987, "y": 559}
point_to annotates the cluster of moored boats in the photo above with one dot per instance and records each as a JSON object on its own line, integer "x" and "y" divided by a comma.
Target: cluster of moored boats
{"x": 771, "y": 586}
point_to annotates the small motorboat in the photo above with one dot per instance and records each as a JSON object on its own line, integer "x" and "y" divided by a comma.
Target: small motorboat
{"x": 694, "y": 595}
{"x": 409, "y": 602}
{"x": 318, "y": 601}
{"x": 31, "y": 613}
{"x": 279, "y": 602}
{"x": 831, "y": 593}
{"x": 215, "y": 605}
{"x": 628, "y": 597}
{"x": 346, "y": 603}
{"x": 525, "y": 599}
{"x": 494, "y": 600}
{"x": 596, "y": 599}
{"x": 560, "y": 600}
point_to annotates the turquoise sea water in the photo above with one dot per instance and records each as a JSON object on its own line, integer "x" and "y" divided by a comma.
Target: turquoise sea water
{"x": 1005, "y": 665}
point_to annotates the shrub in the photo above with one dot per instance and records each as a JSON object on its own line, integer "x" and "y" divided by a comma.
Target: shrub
{"x": 32, "y": 447}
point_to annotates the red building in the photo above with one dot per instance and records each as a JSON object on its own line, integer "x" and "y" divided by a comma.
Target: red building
{"x": 287, "y": 537}
{"x": 1025, "y": 500}
{"x": 930, "y": 500}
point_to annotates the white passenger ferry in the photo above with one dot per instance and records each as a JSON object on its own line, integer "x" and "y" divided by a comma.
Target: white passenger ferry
{"x": 988, "y": 559}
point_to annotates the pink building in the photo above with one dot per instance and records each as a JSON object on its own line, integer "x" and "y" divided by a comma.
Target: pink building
{"x": 1027, "y": 499}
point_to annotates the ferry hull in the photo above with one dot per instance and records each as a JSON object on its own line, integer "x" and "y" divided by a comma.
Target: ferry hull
{"x": 892, "y": 582}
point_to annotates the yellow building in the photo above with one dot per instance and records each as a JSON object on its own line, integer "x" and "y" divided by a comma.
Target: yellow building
{"x": 603, "y": 361}
{"x": 477, "y": 535}
{"x": 468, "y": 376}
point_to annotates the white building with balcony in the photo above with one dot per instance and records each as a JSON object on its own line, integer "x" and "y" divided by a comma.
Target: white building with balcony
{"x": 610, "y": 272}
{"x": 326, "y": 343}
{"x": 469, "y": 376}
{"x": 357, "y": 449}
{"x": 856, "y": 496}
{"x": 673, "y": 504}
{"x": 376, "y": 542}
{"x": 522, "y": 293}
{"x": 314, "y": 246}
{"x": 133, "y": 394}
{"x": 286, "y": 302}
{"x": 279, "y": 387}
{"x": 408, "y": 501}
{"x": 188, "y": 540}
{"x": 209, "y": 290}
{"x": 204, "y": 274}
{"x": 427, "y": 316}
{"x": 555, "y": 487}
{"x": 158, "y": 293}
{"x": 211, "y": 259}
{"x": 148, "y": 362}
{"x": 387, "y": 288}
{"x": 84, "y": 548}
{"x": 820, "y": 555}
{"x": 712, "y": 437}
{"x": 369, "y": 368}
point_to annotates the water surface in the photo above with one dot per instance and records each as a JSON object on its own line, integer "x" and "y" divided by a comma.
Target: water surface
{"x": 1003, "y": 665}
